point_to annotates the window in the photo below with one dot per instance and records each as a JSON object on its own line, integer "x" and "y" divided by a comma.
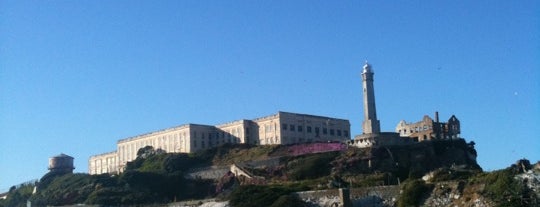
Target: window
{"x": 308, "y": 128}
{"x": 284, "y": 126}
{"x": 300, "y": 128}
{"x": 339, "y": 132}
{"x": 324, "y": 131}
{"x": 346, "y": 133}
{"x": 292, "y": 127}
{"x": 331, "y": 131}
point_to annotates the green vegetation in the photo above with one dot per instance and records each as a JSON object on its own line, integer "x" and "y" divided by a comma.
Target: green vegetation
{"x": 414, "y": 192}
{"x": 310, "y": 166}
{"x": 255, "y": 196}
{"x": 446, "y": 174}
{"x": 156, "y": 177}
{"x": 65, "y": 189}
{"x": 502, "y": 187}
{"x": 18, "y": 196}
{"x": 228, "y": 154}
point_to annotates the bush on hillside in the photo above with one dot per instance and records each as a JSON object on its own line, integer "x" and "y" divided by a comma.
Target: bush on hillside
{"x": 288, "y": 201}
{"x": 504, "y": 189}
{"x": 311, "y": 166}
{"x": 413, "y": 192}
{"x": 64, "y": 190}
{"x": 255, "y": 196}
{"x": 18, "y": 195}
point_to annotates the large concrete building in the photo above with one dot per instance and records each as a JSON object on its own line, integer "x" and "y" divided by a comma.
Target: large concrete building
{"x": 279, "y": 128}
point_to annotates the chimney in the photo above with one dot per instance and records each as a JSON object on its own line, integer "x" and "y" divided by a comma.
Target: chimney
{"x": 436, "y": 116}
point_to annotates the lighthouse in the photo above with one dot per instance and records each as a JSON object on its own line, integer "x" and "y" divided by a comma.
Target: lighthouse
{"x": 371, "y": 124}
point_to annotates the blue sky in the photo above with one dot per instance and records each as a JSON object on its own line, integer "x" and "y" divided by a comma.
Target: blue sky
{"x": 76, "y": 76}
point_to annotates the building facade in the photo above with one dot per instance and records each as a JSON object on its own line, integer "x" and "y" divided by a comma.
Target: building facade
{"x": 292, "y": 128}
{"x": 103, "y": 163}
{"x": 279, "y": 128}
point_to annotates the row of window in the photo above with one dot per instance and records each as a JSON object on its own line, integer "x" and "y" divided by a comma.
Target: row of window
{"x": 211, "y": 144}
{"x": 417, "y": 129}
{"x": 220, "y": 134}
{"x": 299, "y": 128}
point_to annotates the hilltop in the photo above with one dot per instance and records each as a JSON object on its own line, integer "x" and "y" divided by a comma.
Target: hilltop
{"x": 270, "y": 175}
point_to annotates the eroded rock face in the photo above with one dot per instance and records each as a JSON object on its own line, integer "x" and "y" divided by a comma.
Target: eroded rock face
{"x": 457, "y": 193}
{"x": 531, "y": 179}
{"x": 404, "y": 161}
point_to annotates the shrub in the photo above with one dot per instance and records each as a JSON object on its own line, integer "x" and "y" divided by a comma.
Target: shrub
{"x": 288, "y": 201}
{"x": 413, "y": 193}
{"x": 504, "y": 189}
{"x": 255, "y": 196}
{"x": 311, "y": 166}
{"x": 63, "y": 190}
{"x": 17, "y": 196}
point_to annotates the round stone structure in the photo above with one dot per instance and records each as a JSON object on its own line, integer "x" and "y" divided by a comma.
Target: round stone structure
{"x": 61, "y": 163}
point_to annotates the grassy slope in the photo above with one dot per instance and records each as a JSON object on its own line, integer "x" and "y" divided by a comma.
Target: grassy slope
{"x": 311, "y": 171}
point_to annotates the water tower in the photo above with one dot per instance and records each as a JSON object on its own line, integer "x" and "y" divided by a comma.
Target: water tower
{"x": 61, "y": 163}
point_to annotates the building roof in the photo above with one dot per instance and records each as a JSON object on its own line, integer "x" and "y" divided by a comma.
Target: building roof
{"x": 62, "y": 155}
{"x": 162, "y": 131}
{"x": 367, "y": 68}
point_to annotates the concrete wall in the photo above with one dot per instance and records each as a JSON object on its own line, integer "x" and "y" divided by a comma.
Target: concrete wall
{"x": 213, "y": 173}
{"x": 381, "y": 139}
{"x": 369, "y": 196}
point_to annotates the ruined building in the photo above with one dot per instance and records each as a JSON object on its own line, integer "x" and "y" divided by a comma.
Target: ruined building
{"x": 429, "y": 129}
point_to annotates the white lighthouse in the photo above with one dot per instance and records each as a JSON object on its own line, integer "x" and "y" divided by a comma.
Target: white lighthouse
{"x": 371, "y": 124}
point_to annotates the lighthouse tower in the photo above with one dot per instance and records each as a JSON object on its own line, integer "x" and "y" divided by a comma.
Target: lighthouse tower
{"x": 371, "y": 124}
